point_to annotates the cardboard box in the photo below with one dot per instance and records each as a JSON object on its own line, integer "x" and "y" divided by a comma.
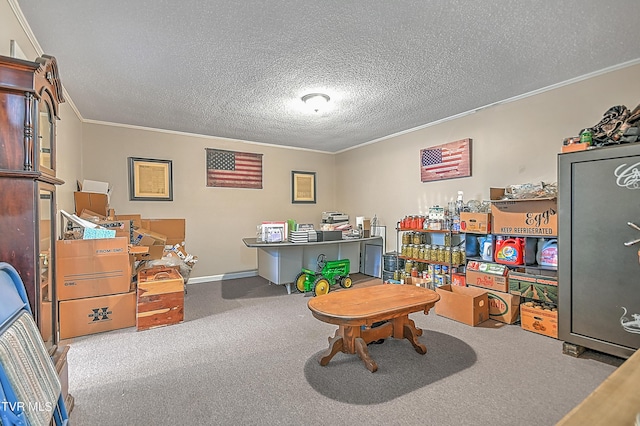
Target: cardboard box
{"x": 459, "y": 279}
{"x": 136, "y": 219}
{"x": 172, "y": 229}
{"x": 98, "y": 203}
{"x": 475, "y": 223}
{"x": 488, "y": 275}
{"x": 503, "y": 307}
{"x": 469, "y": 305}
{"x": 573, "y": 147}
{"x": 532, "y": 217}
{"x": 488, "y": 281}
{"x": 539, "y": 320}
{"x": 90, "y": 315}
{"x": 89, "y": 268}
{"x": 537, "y": 287}
{"x": 160, "y": 299}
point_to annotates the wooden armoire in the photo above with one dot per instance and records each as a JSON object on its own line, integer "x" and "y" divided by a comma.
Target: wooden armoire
{"x": 30, "y": 95}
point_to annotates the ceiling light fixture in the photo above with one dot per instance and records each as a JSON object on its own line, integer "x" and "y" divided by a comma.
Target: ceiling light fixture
{"x": 316, "y": 100}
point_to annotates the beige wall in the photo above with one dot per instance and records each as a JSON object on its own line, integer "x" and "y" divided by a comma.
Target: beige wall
{"x": 513, "y": 143}
{"x": 69, "y": 127}
{"x": 216, "y": 218}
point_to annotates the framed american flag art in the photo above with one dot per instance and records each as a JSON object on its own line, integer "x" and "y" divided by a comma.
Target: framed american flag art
{"x": 447, "y": 161}
{"x": 231, "y": 169}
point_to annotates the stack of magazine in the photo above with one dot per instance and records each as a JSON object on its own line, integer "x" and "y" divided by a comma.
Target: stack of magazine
{"x": 304, "y": 233}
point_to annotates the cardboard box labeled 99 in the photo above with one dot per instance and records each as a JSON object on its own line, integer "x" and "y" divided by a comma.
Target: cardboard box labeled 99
{"x": 532, "y": 216}
{"x": 469, "y": 305}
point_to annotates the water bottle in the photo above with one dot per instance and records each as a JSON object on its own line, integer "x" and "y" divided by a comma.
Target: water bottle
{"x": 459, "y": 203}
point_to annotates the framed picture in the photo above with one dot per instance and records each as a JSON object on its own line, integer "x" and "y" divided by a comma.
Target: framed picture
{"x": 150, "y": 180}
{"x": 447, "y": 161}
{"x": 303, "y": 187}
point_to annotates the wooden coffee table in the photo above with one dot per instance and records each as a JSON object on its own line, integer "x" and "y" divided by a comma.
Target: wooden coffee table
{"x": 354, "y": 308}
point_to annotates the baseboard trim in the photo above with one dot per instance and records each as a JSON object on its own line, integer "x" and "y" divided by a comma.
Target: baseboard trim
{"x": 229, "y": 276}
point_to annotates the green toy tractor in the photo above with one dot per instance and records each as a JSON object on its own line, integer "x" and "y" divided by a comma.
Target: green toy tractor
{"x": 329, "y": 273}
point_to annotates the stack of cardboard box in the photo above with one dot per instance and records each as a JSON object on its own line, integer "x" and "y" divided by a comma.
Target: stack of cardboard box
{"x": 96, "y": 279}
{"x": 93, "y": 286}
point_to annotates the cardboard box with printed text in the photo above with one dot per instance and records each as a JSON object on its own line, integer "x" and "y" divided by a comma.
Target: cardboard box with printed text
{"x": 89, "y": 268}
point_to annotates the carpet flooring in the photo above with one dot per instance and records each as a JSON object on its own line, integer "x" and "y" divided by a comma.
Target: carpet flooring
{"x": 247, "y": 354}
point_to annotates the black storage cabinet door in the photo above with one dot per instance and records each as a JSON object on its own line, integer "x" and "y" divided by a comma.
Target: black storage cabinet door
{"x": 598, "y": 275}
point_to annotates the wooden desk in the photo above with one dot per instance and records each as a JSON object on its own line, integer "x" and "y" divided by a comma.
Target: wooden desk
{"x": 615, "y": 402}
{"x": 351, "y": 309}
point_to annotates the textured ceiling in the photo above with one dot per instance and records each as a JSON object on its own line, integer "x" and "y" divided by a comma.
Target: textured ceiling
{"x": 237, "y": 69}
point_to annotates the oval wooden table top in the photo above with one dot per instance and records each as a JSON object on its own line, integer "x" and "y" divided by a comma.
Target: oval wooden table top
{"x": 375, "y": 303}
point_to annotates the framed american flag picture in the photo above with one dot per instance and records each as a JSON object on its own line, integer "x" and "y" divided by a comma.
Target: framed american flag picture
{"x": 231, "y": 169}
{"x": 447, "y": 161}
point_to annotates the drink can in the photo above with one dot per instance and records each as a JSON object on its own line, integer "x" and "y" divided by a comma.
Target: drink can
{"x": 586, "y": 136}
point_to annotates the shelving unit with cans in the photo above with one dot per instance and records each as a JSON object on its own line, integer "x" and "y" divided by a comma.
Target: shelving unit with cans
{"x": 431, "y": 256}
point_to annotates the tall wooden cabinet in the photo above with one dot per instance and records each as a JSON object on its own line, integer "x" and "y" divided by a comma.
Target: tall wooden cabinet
{"x": 30, "y": 94}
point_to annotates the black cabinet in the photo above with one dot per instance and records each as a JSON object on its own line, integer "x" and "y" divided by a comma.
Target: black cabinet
{"x": 598, "y": 270}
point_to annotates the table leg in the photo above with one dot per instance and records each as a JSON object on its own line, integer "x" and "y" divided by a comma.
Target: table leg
{"x": 363, "y": 353}
{"x": 288, "y": 285}
{"x": 336, "y": 344}
{"x": 411, "y": 333}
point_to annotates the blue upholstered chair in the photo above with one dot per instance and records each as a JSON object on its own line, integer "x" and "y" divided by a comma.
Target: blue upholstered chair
{"x": 30, "y": 390}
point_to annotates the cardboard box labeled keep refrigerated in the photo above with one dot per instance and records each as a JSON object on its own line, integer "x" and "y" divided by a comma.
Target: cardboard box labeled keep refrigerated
{"x": 537, "y": 287}
{"x": 79, "y": 317}
{"x": 475, "y": 223}
{"x": 469, "y": 305}
{"x": 89, "y": 268}
{"x": 503, "y": 307}
{"x": 539, "y": 321}
{"x": 532, "y": 216}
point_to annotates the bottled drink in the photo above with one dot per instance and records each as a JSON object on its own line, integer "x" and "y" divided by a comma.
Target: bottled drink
{"x": 459, "y": 203}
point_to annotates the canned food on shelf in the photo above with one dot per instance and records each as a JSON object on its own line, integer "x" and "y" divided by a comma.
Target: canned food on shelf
{"x": 406, "y": 238}
{"x": 455, "y": 256}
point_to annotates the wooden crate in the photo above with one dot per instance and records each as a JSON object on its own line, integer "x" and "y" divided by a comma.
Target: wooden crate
{"x": 160, "y": 298}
